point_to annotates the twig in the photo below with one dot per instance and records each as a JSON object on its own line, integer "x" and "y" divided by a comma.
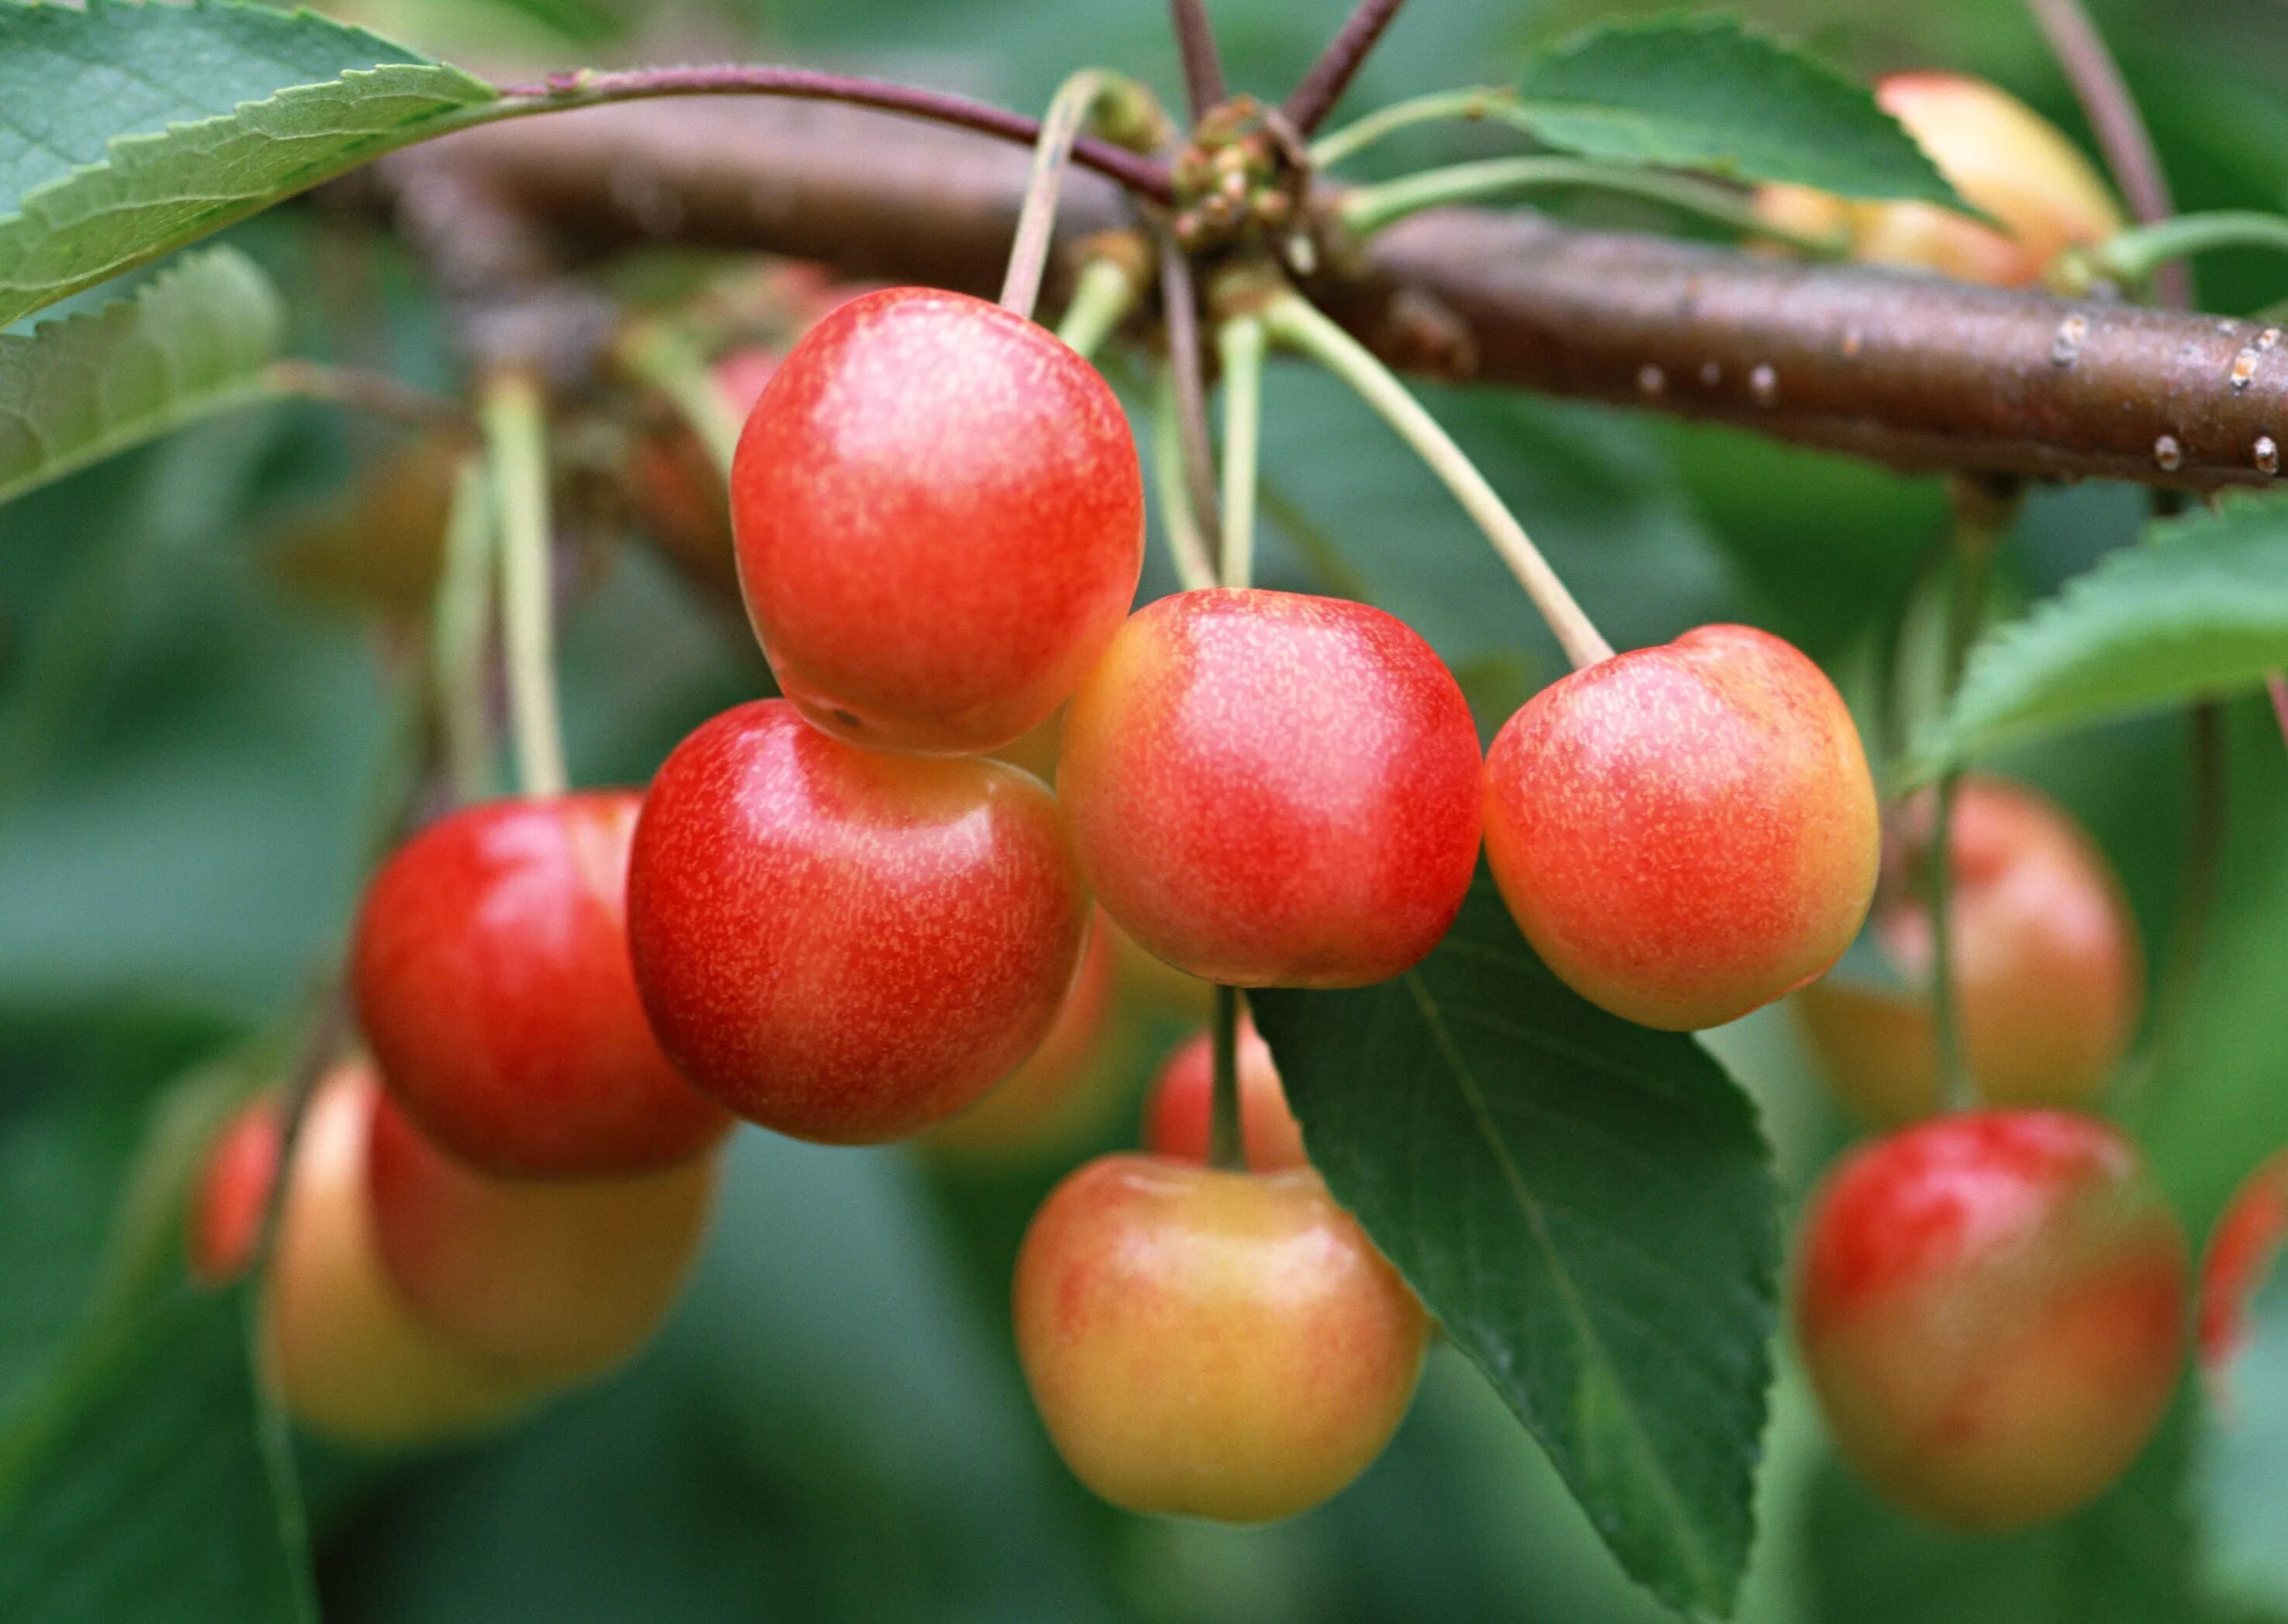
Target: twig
{"x": 590, "y": 89}
{"x": 1311, "y": 100}
{"x": 2116, "y": 121}
{"x": 1195, "y": 46}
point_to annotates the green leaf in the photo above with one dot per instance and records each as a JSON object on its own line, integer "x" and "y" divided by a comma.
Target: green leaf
{"x": 2125, "y": 1559}
{"x": 195, "y": 341}
{"x": 1588, "y": 1208}
{"x": 134, "y": 128}
{"x": 2200, "y": 612}
{"x": 2242, "y": 1489}
{"x": 1706, "y": 93}
{"x": 154, "y": 1485}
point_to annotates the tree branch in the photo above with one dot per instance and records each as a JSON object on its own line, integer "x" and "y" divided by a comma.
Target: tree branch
{"x": 1311, "y": 100}
{"x": 1910, "y": 371}
{"x": 1195, "y": 47}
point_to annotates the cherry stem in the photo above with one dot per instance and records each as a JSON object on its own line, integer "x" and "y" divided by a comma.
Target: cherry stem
{"x": 516, "y": 436}
{"x": 376, "y": 392}
{"x": 1037, "y": 220}
{"x": 1188, "y": 548}
{"x": 1293, "y": 321}
{"x": 1140, "y": 174}
{"x": 1310, "y": 101}
{"x": 460, "y": 627}
{"x": 670, "y": 360}
{"x": 1955, "y": 1085}
{"x": 1180, "y": 301}
{"x": 1370, "y": 209}
{"x": 1104, "y": 296}
{"x": 1240, "y": 345}
{"x": 2133, "y": 255}
{"x": 1227, "y": 1136}
{"x": 1196, "y": 48}
{"x": 1473, "y": 105}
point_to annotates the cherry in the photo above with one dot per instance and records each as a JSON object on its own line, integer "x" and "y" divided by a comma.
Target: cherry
{"x": 2048, "y": 973}
{"x": 2244, "y": 1250}
{"x": 2001, "y": 157}
{"x": 231, "y": 1195}
{"x": 1274, "y": 790}
{"x": 1048, "y": 1100}
{"x": 1176, "y": 1120}
{"x": 939, "y": 519}
{"x": 1686, "y": 832}
{"x": 1992, "y": 1309}
{"x": 1210, "y": 1344}
{"x": 548, "y": 1283}
{"x": 351, "y": 1361}
{"x": 492, "y": 979}
{"x": 843, "y": 945}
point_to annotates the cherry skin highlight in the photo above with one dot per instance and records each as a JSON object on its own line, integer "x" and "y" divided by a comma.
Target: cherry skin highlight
{"x": 940, "y": 519}
{"x": 492, "y": 979}
{"x": 2000, "y": 156}
{"x": 1992, "y": 1310}
{"x": 2243, "y": 1252}
{"x": 351, "y": 1361}
{"x": 1178, "y": 1119}
{"x": 1268, "y": 789}
{"x": 547, "y": 1283}
{"x": 842, "y": 944}
{"x": 1685, "y": 833}
{"x": 2048, "y": 975}
{"x": 1205, "y": 1343}
{"x": 1050, "y": 1099}
{"x": 231, "y": 1196}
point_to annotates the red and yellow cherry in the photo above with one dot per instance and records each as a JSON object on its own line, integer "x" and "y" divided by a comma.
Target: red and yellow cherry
{"x": 1049, "y": 1100}
{"x": 844, "y": 945}
{"x": 1177, "y": 1117}
{"x": 1685, "y": 833}
{"x": 231, "y": 1196}
{"x": 1211, "y": 1343}
{"x": 1992, "y": 1310}
{"x": 677, "y": 487}
{"x": 2048, "y": 976}
{"x": 2244, "y": 1250}
{"x": 547, "y": 1282}
{"x": 492, "y": 979}
{"x": 1268, "y": 789}
{"x": 2001, "y": 157}
{"x": 939, "y": 519}
{"x": 351, "y": 1361}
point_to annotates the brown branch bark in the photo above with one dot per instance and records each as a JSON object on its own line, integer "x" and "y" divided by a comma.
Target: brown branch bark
{"x": 1910, "y": 371}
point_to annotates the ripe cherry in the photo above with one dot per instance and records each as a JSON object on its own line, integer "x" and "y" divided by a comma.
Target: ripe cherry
{"x": 2048, "y": 973}
{"x": 351, "y": 1361}
{"x": 843, "y": 945}
{"x": 1050, "y": 1099}
{"x": 1177, "y": 1118}
{"x": 2244, "y": 1250}
{"x": 1269, "y": 789}
{"x": 1992, "y": 1309}
{"x": 939, "y": 519}
{"x": 1685, "y": 833}
{"x": 2001, "y": 157}
{"x": 491, "y": 971}
{"x": 231, "y": 1196}
{"x": 547, "y": 1282}
{"x": 1210, "y": 1344}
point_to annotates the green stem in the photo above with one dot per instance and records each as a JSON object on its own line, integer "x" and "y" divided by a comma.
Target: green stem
{"x": 1240, "y": 345}
{"x": 1227, "y": 1136}
{"x": 2133, "y": 255}
{"x": 1187, "y": 547}
{"x": 1475, "y": 104}
{"x": 1036, "y": 221}
{"x": 517, "y": 438}
{"x": 670, "y": 360}
{"x": 1293, "y": 321}
{"x": 460, "y": 627}
{"x": 1370, "y": 209}
{"x": 1955, "y": 1085}
{"x": 1104, "y": 296}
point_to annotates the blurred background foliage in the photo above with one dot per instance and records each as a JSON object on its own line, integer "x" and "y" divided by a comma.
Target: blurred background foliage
{"x": 194, "y": 729}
